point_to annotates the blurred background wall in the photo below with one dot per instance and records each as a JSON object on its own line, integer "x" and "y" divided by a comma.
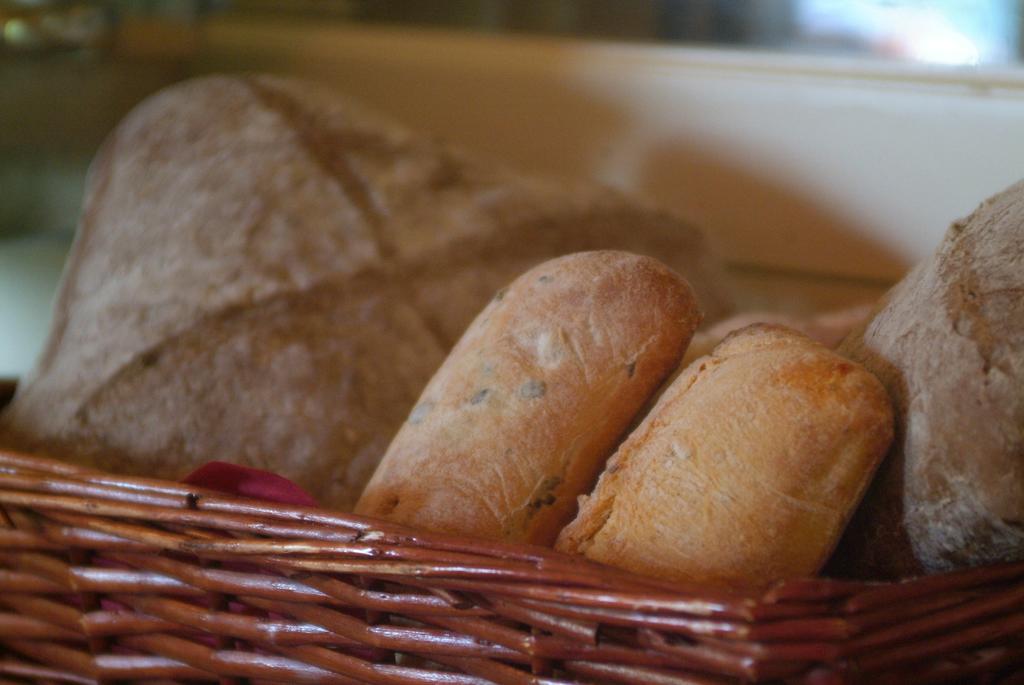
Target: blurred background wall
{"x": 823, "y": 145}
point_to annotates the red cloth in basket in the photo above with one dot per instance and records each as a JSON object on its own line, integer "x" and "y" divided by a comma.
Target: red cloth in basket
{"x": 244, "y": 481}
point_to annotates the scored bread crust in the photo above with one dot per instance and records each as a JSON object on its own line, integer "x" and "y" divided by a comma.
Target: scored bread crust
{"x": 234, "y": 386}
{"x": 522, "y": 415}
{"x": 231, "y": 192}
{"x": 746, "y": 470}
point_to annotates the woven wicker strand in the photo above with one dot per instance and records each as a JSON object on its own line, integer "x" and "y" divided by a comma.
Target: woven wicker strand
{"x": 108, "y": 579}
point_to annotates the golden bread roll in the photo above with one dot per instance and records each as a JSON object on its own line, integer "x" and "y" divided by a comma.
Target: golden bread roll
{"x": 521, "y": 417}
{"x": 746, "y": 470}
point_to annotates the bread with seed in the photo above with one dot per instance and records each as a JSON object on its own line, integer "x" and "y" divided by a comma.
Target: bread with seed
{"x": 520, "y": 418}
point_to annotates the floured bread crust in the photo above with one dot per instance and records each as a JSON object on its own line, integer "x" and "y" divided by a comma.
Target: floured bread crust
{"x": 948, "y": 343}
{"x": 342, "y": 362}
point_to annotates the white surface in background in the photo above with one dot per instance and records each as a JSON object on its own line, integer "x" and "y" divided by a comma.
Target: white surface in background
{"x": 937, "y": 31}
{"x": 811, "y": 172}
{"x": 29, "y": 271}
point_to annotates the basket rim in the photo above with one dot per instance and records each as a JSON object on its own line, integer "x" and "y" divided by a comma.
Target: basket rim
{"x": 55, "y": 484}
{"x": 48, "y": 483}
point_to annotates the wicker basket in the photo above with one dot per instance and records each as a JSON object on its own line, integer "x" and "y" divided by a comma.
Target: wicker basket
{"x": 107, "y": 578}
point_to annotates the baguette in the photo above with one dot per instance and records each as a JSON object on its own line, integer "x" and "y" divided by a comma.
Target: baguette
{"x": 520, "y": 418}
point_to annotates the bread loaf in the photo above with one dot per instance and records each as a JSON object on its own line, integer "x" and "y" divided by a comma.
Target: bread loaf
{"x": 745, "y": 471}
{"x": 522, "y": 415}
{"x": 948, "y": 344}
{"x": 220, "y": 198}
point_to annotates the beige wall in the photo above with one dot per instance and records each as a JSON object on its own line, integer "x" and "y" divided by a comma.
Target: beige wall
{"x": 840, "y": 167}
